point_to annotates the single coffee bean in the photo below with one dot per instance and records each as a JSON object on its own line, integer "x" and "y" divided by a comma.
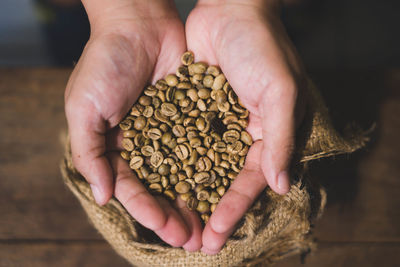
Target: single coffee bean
{"x": 161, "y": 85}
{"x": 171, "y": 80}
{"x": 170, "y": 194}
{"x": 164, "y": 169}
{"x": 187, "y": 58}
{"x": 204, "y": 93}
{"x": 139, "y": 140}
{"x": 164, "y": 181}
{"x": 205, "y": 217}
{"x": 150, "y": 90}
{"x": 213, "y": 207}
{"x": 184, "y": 85}
{"x": 125, "y": 155}
{"x": 223, "y": 107}
{"x": 203, "y": 206}
{"x": 203, "y": 195}
{"x": 225, "y": 164}
{"x": 234, "y": 126}
{"x": 125, "y": 124}
{"x": 136, "y": 162}
{"x": 214, "y": 197}
{"x": 178, "y": 130}
{"x": 201, "y": 150}
{"x": 173, "y": 179}
{"x": 221, "y": 190}
{"x": 219, "y": 147}
{"x": 195, "y": 142}
{"x": 186, "y": 196}
{"x": 221, "y": 171}
{"x": 181, "y": 151}
{"x": 192, "y": 203}
{"x": 213, "y": 70}
{"x": 246, "y": 138}
{"x": 231, "y": 136}
{"x": 193, "y": 157}
{"x": 127, "y": 144}
{"x": 189, "y": 171}
{"x": 194, "y": 113}
{"x": 129, "y": 133}
{"x": 168, "y": 109}
{"x": 148, "y": 111}
{"x": 182, "y": 72}
{"x": 157, "y": 159}
{"x": 219, "y": 82}
{"x": 191, "y": 182}
{"x": 147, "y": 151}
{"x": 197, "y": 79}
{"x": 231, "y": 119}
{"x": 154, "y": 178}
{"x": 201, "y": 177}
{"x": 197, "y": 68}
{"x": 156, "y": 102}
{"x": 140, "y": 123}
{"x": 244, "y": 151}
{"x": 154, "y": 134}
{"x": 232, "y": 175}
{"x": 235, "y": 147}
{"x": 145, "y": 100}
{"x": 156, "y": 188}
{"x": 182, "y": 187}
{"x": 137, "y": 110}
{"x": 233, "y": 158}
{"x": 208, "y": 81}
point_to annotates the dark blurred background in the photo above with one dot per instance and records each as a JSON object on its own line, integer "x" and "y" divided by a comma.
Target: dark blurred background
{"x": 328, "y": 34}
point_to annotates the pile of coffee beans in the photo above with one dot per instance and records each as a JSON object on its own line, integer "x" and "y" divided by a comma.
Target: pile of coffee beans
{"x": 186, "y": 136}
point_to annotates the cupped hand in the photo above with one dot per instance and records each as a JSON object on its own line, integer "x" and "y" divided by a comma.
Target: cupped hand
{"x": 248, "y": 41}
{"x": 121, "y": 57}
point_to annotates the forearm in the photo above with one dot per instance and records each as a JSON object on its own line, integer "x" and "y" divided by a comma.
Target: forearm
{"x": 109, "y": 14}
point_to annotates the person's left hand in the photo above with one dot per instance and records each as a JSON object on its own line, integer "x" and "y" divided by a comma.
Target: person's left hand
{"x": 248, "y": 41}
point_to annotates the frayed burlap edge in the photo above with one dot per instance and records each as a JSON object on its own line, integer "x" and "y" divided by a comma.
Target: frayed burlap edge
{"x": 275, "y": 227}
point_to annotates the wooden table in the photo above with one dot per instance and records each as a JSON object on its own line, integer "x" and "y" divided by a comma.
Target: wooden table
{"x": 42, "y": 224}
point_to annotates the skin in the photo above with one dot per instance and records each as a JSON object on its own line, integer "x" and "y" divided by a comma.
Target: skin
{"x": 248, "y": 41}
{"x": 134, "y": 43}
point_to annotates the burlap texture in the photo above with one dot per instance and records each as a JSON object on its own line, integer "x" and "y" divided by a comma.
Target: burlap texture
{"x": 275, "y": 227}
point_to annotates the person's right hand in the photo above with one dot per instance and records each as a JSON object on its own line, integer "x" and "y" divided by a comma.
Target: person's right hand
{"x": 132, "y": 43}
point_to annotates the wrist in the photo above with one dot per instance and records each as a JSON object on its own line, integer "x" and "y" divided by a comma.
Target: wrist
{"x": 261, "y": 4}
{"x": 124, "y": 16}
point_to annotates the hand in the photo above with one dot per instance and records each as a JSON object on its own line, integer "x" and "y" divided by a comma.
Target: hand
{"x": 247, "y": 40}
{"x": 124, "y": 54}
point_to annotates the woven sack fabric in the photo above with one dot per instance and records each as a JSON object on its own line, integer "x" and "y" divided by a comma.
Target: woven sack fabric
{"x": 274, "y": 227}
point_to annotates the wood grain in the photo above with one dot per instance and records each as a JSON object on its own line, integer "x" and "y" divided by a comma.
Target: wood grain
{"x": 42, "y": 224}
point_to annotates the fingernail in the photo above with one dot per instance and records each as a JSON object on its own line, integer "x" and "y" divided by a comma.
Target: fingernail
{"x": 283, "y": 182}
{"x": 96, "y": 194}
{"x": 208, "y": 251}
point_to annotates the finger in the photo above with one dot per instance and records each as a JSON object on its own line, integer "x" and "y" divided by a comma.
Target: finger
{"x": 278, "y": 130}
{"x": 88, "y": 148}
{"x": 174, "y": 232}
{"x": 234, "y": 204}
{"x": 155, "y": 214}
{"x": 194, "y": 226}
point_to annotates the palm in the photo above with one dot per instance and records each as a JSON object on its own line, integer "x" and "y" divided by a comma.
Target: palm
{"x": 109, "y": 77}
{"x": 253, "y": 54}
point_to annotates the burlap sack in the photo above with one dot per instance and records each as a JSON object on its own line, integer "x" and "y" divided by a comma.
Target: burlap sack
{"x": 275, "y": 227}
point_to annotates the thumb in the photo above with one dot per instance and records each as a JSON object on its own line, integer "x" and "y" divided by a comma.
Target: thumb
{"x": 278, "y": 129}
{"x": 87, "y": 131}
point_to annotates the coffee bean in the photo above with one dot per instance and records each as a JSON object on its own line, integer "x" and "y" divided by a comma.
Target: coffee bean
{"x": 136, "y": 162}
{"x": 170, "y": 194}
{"x": 235, "y": 147}
{"x": 181, "y": 151}
{"x": 182, "y": 187}
{"x": 201, "y": 177}
{"x": 150, "y": 90}
{"x": 128, "y": 144}
{"x": 140, "y": 123}
{"x": 161, "y": 85}
{"x": 221, "y": 190}
{"x": 125, "y": 155}
{"x": 154, "y": 134}
{"x": 246, "y": 138}
{"x": 156, "y": 188}
{"x": 157, "y": 159}
{"x": 171, "y": 80}
{"x": 185, "y": 197}
{"x": 147, "y": 151}
{"x": 129, "y": 133}
{"x": 187, "y": 58}
{"x": 213, "y": 70}
{"x": 164, "y": 169}
{"x": 168, "y": 109}
{"x": 145, "y": 100}
{"x": 178, "y": 130}
{"x": 192, "y": 203}
{"x": 125, "y": 125}
{"x": 203, "y": 195}
{"x": 231, "y": 136}
{"x": 203, "y": 206}
{"x": 214, "y": 197}
{"x": 204, "y": 93}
